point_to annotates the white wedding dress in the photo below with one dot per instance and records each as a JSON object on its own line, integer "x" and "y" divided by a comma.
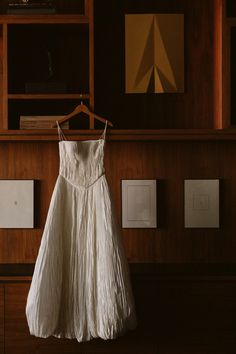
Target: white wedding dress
{"x": 80, "y": 287}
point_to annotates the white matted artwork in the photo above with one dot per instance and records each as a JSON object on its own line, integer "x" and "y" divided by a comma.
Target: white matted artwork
{"x": 139, "y": 204}
{"x": 201, "y": 203}
{"x": 16, "y": 204}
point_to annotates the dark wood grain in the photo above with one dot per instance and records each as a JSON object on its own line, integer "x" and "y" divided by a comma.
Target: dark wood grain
{"x": 1, "y": 76}
{"x": 17, "y": 337}
{"x": 1, "y": 318}
{"x": 4, "y": 77}
{"x": 176, "y": 315}
{"x": 40, "y": 163}
{"x": 169, "y": 162}
{"x": 49, "y": 135}
{"x": 226, "y": 86}
{"x": 218, "y": 55}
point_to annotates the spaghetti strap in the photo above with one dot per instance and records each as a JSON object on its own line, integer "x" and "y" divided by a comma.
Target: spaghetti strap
{"x": 103, "y": 136}
{"x": 61, "y": 135}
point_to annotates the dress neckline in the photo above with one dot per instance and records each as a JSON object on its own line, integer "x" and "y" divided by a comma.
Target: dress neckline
{"x": 81, "y": 141}
{"x": 62, "y": 136}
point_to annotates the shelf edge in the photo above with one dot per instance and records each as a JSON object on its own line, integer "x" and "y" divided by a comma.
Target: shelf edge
{"x": 121, "y": 135}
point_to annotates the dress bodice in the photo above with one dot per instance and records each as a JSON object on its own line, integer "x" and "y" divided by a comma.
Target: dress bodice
{"x": 81, "y": 162}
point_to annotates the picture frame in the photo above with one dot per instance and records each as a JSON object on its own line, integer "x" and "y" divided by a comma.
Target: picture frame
{"x": 16, "y": 204}
{"x": 139, "y": 204}
{"x": 154, "y": 53}
{"x": 201, "y": 203}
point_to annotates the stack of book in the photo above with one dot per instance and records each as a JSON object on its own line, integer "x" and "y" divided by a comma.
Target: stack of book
{"x": 31, "y": 7}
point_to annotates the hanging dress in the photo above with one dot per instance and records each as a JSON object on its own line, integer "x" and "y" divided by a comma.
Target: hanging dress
{"x": 80, "y": 286}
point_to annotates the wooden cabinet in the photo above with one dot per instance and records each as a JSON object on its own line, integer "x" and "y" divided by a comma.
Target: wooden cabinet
{"x": 177, "y": 313}
{"x": 46, "y": 62}
{"x": 16, "y": 332}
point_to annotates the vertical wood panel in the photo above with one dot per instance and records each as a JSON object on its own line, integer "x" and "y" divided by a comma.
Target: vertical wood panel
{"x": 89, "y": 7}
{"x": 218, "y": 63}
{"x": 2, "y": 319}
{"x": 1, "y": 76}
{"x": 17, "y": 337}
{"x": 5, "y": 78}
{"x": 197, "y": 108}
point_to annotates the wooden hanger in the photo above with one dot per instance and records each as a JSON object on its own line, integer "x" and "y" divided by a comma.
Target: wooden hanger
{"x": 83, "y": 108}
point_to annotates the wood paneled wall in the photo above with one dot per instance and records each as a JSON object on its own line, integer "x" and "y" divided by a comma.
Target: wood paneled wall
{"x": 168, "y": 162}
{"x": 192, "y": 109}
{"x": 38, "y": 161}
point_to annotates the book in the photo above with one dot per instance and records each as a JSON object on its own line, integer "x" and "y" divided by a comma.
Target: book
{"x": 41, "y": 122}
{"x": 16, "y": 11}
{"x": 21, "y": 7}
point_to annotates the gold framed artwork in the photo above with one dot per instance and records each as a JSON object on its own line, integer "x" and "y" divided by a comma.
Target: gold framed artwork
{"x": 154, "y": 53}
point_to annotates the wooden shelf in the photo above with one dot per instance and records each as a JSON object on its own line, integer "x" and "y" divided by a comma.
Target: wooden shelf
{"x": 15, "y": 279}
{"x": 48, "y": 96}
{"x": 122, "y": 135}
{"x": 44, "y": 19}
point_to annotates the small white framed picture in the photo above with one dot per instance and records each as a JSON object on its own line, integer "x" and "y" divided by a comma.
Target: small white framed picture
{"x": 139, "y": 204}
{"x": 16, "y": 204}
{"x": 201, "y": 203}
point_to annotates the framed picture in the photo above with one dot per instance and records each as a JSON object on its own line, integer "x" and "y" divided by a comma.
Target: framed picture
{"x": 16, "y": 204}
{"x": 139, "y": 204}
{"x": 154, "y": 53}
{"x": 201, "y": 203}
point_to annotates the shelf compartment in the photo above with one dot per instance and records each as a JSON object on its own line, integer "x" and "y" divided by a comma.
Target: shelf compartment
{"x": 62, "y": 7}
{"x": 41, "y": 107}
{"x": 46, "y": 58}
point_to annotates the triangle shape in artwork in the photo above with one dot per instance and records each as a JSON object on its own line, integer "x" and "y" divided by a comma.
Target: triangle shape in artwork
{"x": 161, "y": 56}
{"x": 144, "y": 82}
{"x": 164, "y": 82}
{"x": 146, "y": 62}
{"x": 151, "y": 83}
{"x": 158, "y": 84}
